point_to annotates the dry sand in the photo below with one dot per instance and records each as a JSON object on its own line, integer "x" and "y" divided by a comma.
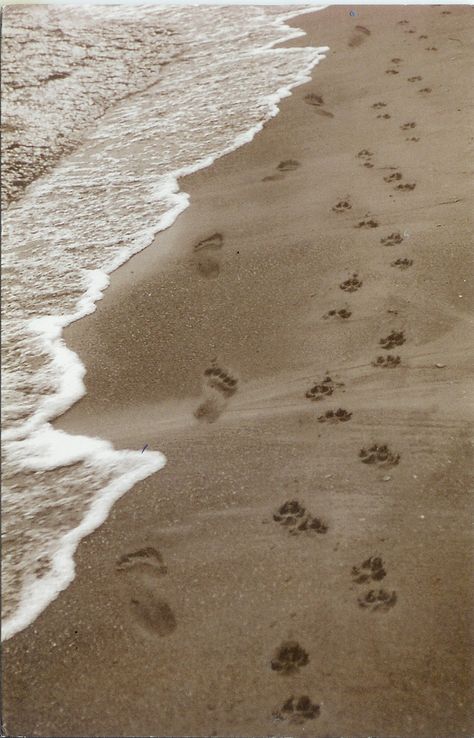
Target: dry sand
{"x": 183, "y": 639}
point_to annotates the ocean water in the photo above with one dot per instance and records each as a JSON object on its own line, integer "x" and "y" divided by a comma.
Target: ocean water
{"x": 103, "y": 108}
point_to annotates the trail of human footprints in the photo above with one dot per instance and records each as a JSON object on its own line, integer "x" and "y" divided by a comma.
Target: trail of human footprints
{"x": 143, "y": 569}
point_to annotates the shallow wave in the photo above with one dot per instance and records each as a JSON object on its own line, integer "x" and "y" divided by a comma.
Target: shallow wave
{"x": 73, "y": 227}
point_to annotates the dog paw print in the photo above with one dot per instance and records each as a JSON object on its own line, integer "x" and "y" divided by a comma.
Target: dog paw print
{"x": 402, "y": 23}
{"x": 289, "y": 658}
{"x": 385, "y": 116}
{"x": 391, "y": 71}
{"x": 386, "y": 362}
{"x": 415, "y": 79}
{"x": 425, "y": 90}
{"x": 393, "y": 177}
{"x": 380, "y": 455}
{"x": 352, "y": 284}
{"x": 379, "y": 105}
{"x": 395, "y": 338}
{"x": 396, "y": 60}
{"x": 402, "y": 263}
{"x": 407, "y": 126}
{"x": 289, "y": 165}
{"x": 370, "y": 223}
{"x": 322, "y": 389}
{"x": 298, "y": 520}
{"x": 413, "y": 138}
{"x": 431, "y": 48}
{"x": 408, "y": 187}
{"x": 422, "y": 36}
{"x": 342, "y": 206}
{"x": 335, "y": 416}
{"x": 297, "y": 710}
{"x": 370, "y": 569}
{"x": 377, "y": 600}
{"x": 343, "y": 314}
{"x": 392, "y": 239}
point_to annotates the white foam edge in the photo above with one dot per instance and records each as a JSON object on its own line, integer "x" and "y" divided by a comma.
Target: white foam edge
{"x": 39, "y": 593}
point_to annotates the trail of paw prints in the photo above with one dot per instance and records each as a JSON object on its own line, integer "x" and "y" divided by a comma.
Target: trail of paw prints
{"x": 379, "y": 455}
{"x": 317, "y": 102}
{"x": 150, "y": 613}
{"x": 351, "y": 284}
{"x": 322, "y": 389}
{"x": 207, "y": 263}
{"x": 409, "y": 126}
{"x": 334, "y": 417}
{"x": 289, "y": 658}
{"x": 219, "y": 386}
{"x": 297, "y": 710}
{"x": 293, "y": 516}
{"x": 288, "y": 165}
{"x": 366, "y": 156}
{"x": 342, "y": 314}
{"x": 342, "y": 206}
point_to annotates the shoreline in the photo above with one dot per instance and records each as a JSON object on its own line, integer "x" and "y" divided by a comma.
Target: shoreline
{"x": 192, "y": 646}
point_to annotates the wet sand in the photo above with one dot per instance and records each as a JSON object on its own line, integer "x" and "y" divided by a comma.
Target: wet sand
{"x": 205, "y": 605}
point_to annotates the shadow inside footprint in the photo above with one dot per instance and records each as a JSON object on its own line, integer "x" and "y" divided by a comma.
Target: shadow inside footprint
{"x": 370, "y": 569}
{"x": 313, "y": 99}
{"x": 377, "y": 600}
{"x": 152, "y": 614}
{"x": 289, "y": 658}
{"x": 380, "y": 455}
{"x": 298, "y": 710}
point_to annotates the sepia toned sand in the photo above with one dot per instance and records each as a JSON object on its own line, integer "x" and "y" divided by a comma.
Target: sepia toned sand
{"x": 205, "y": 605}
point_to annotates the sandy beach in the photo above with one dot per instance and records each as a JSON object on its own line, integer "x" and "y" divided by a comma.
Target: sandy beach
{"x": 301, "y": 564}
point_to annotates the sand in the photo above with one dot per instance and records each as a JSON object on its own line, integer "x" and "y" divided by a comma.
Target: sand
{"x": 223, "y": 613}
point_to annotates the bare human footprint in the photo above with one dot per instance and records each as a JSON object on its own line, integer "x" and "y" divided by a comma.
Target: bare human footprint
{"x": 378, "y": 600}
{"x": 352, "y": 284}
{"x": 148, "y": 557}
{"x": 219, "y": 386}
{"x": 395, "y": 338}
{"x": 335, "y": 416}
{"x": 297, "y": 710}
{"x": 289, "y": 165}
{"x": 313, "y": 99}
{"x": 322, "y": 389}
{"x": 371, "y": 569}
{"x": 402, "y": 263}
{"x": 379, "y": 455}
{"x": 207, "y": 264}
{"x": 151, "y": 613}
{"x": 289, "y": 658}
{"x": 386, "y": 362}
